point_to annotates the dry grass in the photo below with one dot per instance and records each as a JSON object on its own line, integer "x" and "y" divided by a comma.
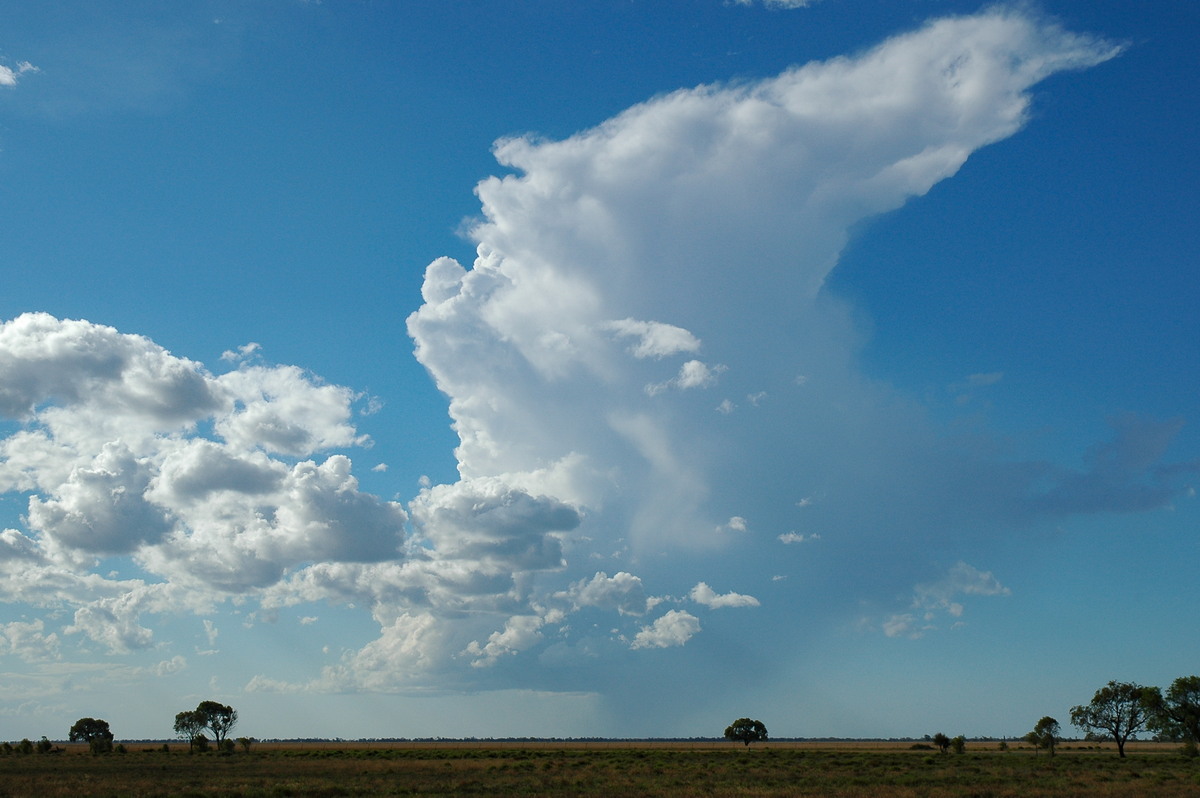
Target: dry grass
{"x": 674, "y": 770}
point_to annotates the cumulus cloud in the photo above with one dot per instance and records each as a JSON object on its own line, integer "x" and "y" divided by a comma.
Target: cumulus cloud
{"x": 674, "y": 628}
{"x": 109, "y": 451}
{"x": 703, "y": 594}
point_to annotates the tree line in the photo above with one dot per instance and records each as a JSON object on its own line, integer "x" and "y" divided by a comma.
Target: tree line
{"x": 1119, "y": 710}
{"x": 211, "y": 716}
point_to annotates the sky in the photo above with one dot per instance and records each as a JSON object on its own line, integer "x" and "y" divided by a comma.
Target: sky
{"x": 597, "y": 369}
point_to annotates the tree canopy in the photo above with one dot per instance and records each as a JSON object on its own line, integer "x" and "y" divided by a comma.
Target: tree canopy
{"x": 1121, "y": 709}
{"x": 1045, "y": 734}
{"x": 219, "y": 719}
{"x": 94, "y": 732}
{"x": 1176, "y": 713}
{"x": 745, "y": 730}
{"x": 212, "y": 715}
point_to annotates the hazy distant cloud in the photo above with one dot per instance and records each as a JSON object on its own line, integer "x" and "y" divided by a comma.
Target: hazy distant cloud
{"x": 777, "y": 3}
{"x": 941, "y": 598}
{"x": 674, "y": 628}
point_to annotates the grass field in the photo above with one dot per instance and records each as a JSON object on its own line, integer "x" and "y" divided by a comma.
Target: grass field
{"x": 603, "y": 769}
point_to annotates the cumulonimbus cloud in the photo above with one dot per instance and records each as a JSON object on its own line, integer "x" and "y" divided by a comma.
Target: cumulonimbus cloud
{"x": 682, "y": 245}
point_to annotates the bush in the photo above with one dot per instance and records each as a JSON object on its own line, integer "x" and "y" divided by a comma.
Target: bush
{"x": 1189, "y": 749}
{"x": 25, "y": 747}
{"x": 958, "y": 744}
{"x": 44, "y": 746}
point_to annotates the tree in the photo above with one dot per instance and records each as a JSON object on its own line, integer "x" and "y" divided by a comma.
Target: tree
{"x": 1045, "y": 734}
{"x": 219, "y": 719}
{"x": 1177, "y": 713}
{"x": 94, "y": 732}
{"x": 941, "y": 741}
{"x": 188, "y": 725}
{"x": 1120, "y": 708}
{"x": 959, "y": 744}
{"x": 746, "y": 731}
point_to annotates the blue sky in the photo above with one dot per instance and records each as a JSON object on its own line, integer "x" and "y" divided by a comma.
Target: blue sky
{"x": 595, "y": 369}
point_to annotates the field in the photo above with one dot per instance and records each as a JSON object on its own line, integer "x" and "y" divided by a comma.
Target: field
{"x": 604, "y": 769}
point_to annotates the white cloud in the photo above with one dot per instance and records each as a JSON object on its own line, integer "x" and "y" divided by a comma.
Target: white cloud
{"x": 654, "y": 339}
{"x": 10, "y": 76}
{"x": 674, "y": 628}
{"x": 778, "y": 3}
{"x": 520, "y": 632}
{"x": 797, "y": 537}
{"x": 29, "y": 641}
{"x": 603, "y": 261}
{"x": 622, "y": 591}
{"x": 703, "y": 594}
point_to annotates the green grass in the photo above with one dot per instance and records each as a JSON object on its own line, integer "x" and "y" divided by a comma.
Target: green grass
{"x": 546, "y": 770}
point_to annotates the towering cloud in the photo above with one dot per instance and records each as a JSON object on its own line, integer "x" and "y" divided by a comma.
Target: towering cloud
{"x": 646, "y": 378}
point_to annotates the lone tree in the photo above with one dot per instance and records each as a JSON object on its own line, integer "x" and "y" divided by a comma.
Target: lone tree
{"x": 188, "y": 725}
{"x": 94, "y": 732}
{"x": 1045, "y": 734}
{"x": 1176, "y": 714}
{"x": 942, "y": 742}
{"x": 746, "y": 731}
{"x": 1120, "y": 708}
{"x": 219, "y": 719}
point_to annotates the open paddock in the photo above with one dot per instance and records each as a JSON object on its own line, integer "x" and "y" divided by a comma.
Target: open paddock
{"x": 850, "y": 769}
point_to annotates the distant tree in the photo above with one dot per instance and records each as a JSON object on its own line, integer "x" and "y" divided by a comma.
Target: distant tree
{"x": 25, "y": 746}
{"x": 245, "y": 743}
{"x": 44, "y": 746}
{"x": 745, "y": 730}
{"x": 1121, "y": 709}
{"x": 188, "y": 725}
{"x": 1045, "y": 734}
{"x": 219, "y": 719}
{"x": 1176, "y": 714}
{"x": 959, "y": 744}
{"x": 941, "y": 741}
{"x": 212, "y": 715}
{"x": 94, "y": 732}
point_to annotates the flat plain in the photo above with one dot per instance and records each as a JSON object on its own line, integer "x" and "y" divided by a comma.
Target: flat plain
{"x": 674, "y": 769}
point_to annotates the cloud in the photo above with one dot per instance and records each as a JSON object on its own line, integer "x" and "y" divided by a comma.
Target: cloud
{"x": 28, "y": 641}
{"x": 940, "y": 598}
{"x": 10, "y": 76}
{"x": 797, "y": 537}
{"x": 674, "y": 628}
{"x": 778, "y": 3}
{"x": 682, "y": 244}
{"x": 621, "y": 591}
{"x": 703, "y": 594}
